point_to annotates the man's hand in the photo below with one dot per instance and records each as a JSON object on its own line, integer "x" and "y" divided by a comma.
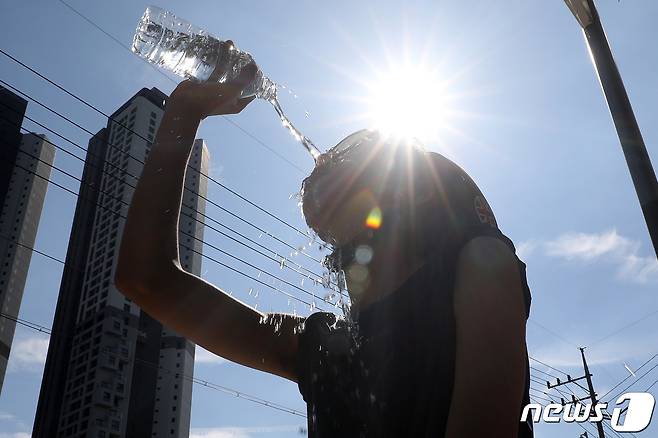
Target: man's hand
{"x": 203, "y": 99}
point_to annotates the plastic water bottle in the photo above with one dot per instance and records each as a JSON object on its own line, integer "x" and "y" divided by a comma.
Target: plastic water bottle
{"x": 191, "y": 52}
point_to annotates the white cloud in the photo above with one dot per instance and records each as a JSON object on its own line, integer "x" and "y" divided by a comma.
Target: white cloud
{"x": 587, "y": 247}
{"x": 238, "y": 432}
{"x": 608, "y": 247}
{"x": 218, "y": 432}
{"x": 525, "y": 249}
{"x": 201, "y": 355}
{"x": 6, "y": 416}
{"x": 11, "y": 421}
{"x": 15, "y": 435}
{"x": 28, "y": 354}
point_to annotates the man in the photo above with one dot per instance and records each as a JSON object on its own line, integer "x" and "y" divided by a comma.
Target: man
{"x": 435, "y": 343}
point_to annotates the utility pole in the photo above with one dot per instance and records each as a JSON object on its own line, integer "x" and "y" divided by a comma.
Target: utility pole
{"x": 588, "y": 375}
{"x": 628, "y": 131}
{"x": 591, "y": 396}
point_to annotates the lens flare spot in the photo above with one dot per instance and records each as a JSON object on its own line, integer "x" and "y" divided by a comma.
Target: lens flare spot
{"x": 374, "y": 219}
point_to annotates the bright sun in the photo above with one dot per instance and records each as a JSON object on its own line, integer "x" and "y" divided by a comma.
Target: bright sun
{"x": 409, "y": 102}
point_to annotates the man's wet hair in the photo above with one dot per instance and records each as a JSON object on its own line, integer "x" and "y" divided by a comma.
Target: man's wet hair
{"x": 369, "y": 153}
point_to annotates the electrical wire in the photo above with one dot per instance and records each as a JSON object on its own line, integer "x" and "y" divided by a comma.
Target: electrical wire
{"x": 279, "y": 260}
{"x": 614, "y": 432}
{"x": 258, "y": 280}
{"x": 543, "y": 372}
{"x": 543, "y": 383}
{"x": 234, "y": 123}
{"x": 540, "y": 397}
{"x": 232, "y": 191}
{"x": 634, "y": 382}
{"x": 119, "y": 199}
{"x": 201, "y": 382}
{"x": 552, "y": 332}
{"x": 629, "y": 376}
{"x": 547, "y": 365}
{"x": 631, "y": 324}
{"x": 115, "y": 147}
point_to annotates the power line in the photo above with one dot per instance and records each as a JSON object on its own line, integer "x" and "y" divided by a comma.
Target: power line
{"x": 634, "y": 382}
{"x": 552, "y": 332}
{"x": 614, "y": 432}
{"x": 540, "y": 397}
{"x": 543, "y": 372}
{"x": 629, "y": 376}
{"x": 554, "y": 369}
{"x": 547, "y": 365}
{"x": 31, "y": 325}
{"x": 279, "y": 258}
{"x": 191, "y": 249}
{"x": 210, "y": 201}
{"x": 233, "y": 192}
{"x": 311, "y": 305}
{"x": 534, "y": 379}
{"x": 182, "y": 232}
{"x": 631, "y": 324}
{"x": 534, "y": 398}
{"x": 232, "y": 122}
{"x": 201, "y": 382}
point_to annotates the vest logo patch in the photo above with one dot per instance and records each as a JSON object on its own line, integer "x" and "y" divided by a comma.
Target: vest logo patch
{"x": 484, "y": 212}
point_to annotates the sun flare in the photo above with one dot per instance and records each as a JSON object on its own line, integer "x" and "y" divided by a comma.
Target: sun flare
{"x": 408, "y": 102}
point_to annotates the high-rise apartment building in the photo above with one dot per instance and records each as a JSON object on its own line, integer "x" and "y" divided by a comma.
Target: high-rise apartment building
{"x": 12, "y": 111}
{"x": 113, "y": 371}
{"x": 20, "y": 211}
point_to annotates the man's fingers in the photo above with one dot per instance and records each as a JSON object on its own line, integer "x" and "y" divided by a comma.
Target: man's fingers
{"x": 242, "y": 103}
{"x": 246, "y": 77}
{"x": 237, "y": 106}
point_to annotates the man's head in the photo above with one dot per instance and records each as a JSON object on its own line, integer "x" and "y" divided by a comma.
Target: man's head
{"x": 367, "y": 185}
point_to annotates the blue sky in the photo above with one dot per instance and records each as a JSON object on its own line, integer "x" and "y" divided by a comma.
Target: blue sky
{"x": 528, "y": 122}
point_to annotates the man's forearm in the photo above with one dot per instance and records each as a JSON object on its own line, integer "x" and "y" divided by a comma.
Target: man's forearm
{"x": 150, "y": 239}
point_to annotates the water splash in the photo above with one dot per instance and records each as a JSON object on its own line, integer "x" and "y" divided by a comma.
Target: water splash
{"x": 296, "y": 133}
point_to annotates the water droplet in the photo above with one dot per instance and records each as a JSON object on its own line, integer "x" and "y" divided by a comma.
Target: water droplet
{"x": 326, "y": 280}
{"x": 251, "y": 289}
{"x": 307, "y": 114}
{"x": 282, "y": 264}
